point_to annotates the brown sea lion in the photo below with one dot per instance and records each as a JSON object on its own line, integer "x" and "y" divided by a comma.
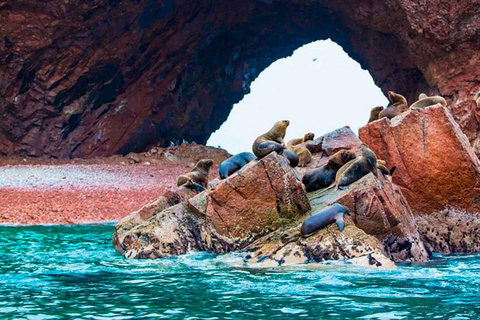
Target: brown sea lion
{"x": 272, "y": 140}
{"x": 425, "y": 101}
{"x": 398, "y": 104}
{"x": 307, "y": 137}
{"x": 324, "y": 176}
{"x": 374, "y": 113}
{"x": 323, "y": 218}
{"x": 197, "y": 177}
{"x": 304, "y": 155}
{"x": 382, "y": 167}
{"x": 292, "y": 157}
{"x": 356, "y": 168}
{"x": 234, "y": 163}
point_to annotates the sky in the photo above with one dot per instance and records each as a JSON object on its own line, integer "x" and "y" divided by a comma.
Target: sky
{"x": 319, "y": 88}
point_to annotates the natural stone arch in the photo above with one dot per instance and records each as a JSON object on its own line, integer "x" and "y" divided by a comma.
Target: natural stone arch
{"x": 100, "y": 77}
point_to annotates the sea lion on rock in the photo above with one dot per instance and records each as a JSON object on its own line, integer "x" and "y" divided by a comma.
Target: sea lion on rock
{"x": 234, "y": 163}
{"x": 398, "y": 104}
{"x": 356, "y": 168}
{"x": 197, "y": 177}
{"x": 323, "y": 218}
{"x": 324, "y": 176}
{"x": 292, "y": 157}
{"x": 425, "y": 101}
{"x": 374, "y": 113}
{"x": 307, "y": 137}
{"x": 272, "y": 140}
{"x": 304, "y": 155}
{"x": 382, "y": 167}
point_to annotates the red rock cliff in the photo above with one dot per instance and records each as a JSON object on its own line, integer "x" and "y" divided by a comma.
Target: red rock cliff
{"x": 97, "y": 77}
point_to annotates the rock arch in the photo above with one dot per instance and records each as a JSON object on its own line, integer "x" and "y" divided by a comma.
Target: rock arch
{"x": 89, "y": 78}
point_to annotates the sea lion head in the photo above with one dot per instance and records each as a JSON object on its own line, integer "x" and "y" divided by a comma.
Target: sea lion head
{"x": 395, "y": 97}
{"x": 376, "y": 109}
{"x": 204, "y": 164}
{"x": 422, "y": 96}
{"x": 279, "y": 129}
{"x": 308, "y": 136}
{"x": 341, "y": 208}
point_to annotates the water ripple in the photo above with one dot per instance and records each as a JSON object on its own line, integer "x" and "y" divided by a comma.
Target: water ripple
{"x": 54, "y": 272}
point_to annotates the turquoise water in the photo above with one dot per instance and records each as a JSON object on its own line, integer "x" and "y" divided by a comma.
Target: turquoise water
{"x": 49, "y": 272}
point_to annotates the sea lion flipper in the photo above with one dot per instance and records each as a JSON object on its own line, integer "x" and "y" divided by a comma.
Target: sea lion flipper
{"x": 392, "y": 170}
{"x": 340, "y": 223}
{"x": 195, "y": 186}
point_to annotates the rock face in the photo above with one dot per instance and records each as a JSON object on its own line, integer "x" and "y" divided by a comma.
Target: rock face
{"x": 450, "y": 231}
{"x": 91, "y": 78}
{"x": 264, "y": 195}
{"x": 250, "y": 203}
{"x": 436, "y": 166}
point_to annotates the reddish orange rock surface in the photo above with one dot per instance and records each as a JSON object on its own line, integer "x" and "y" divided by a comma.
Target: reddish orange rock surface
{"x": 436, "y": 166}
{"x": 257, "y": 199}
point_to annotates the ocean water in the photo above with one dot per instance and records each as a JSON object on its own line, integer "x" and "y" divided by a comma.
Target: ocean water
{"x": 62, "y": 272}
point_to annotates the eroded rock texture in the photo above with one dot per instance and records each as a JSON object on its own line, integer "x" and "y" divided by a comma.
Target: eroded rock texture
{"x": 88, "y": 78}
{"x": 436, "y": 166}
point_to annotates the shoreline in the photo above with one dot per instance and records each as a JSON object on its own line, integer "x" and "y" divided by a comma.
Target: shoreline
{"x": 36, "y": 191}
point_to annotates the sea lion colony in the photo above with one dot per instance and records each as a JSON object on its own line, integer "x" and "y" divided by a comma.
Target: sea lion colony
{"x": 342, "y": 169}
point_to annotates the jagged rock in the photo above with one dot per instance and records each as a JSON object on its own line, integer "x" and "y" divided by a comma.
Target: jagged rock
{"x": 138, "y": 217}
{"x": 378, "y": 208}
{"x": 287, "y": 247}
{"x": 436, "y": 166}
{"x": 325, "y": 146}
{"x": 450, "y": 231}
{"x": 262, "y": 196}
{"x": 171, "y": 232}
{"x": 341, "y": 139}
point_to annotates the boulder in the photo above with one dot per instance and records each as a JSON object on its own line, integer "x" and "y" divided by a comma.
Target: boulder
{"x": 450, "y": 231}
{"x": 262, "y": 196}
{"x": 287, "y": 247}
{"x": 436, "y": 166}
{"x": 175, "y": 230}
{"x": 325, "y": 146}
{"x": 138, "y": 217}
{"x": 379, "y": 209}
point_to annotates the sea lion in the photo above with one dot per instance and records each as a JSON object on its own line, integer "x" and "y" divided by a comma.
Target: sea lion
{"x": 272, "y": 140}
{"x": 234, "y": 163}
{"x": 304, "y": 155}
{"x": 307, "y": 137}
{"x": 398, "y": 104}
{"x": 356, "y": 168}
{"x": 329, "y": 215}
{"x": 197, "y": 177}
{"x": 324, "y": 176}
{"x": 425, "y": 101}
{"x": 374, "y": 113}
{"x": 292, "y": 157}
{"x": 382, "y": 167}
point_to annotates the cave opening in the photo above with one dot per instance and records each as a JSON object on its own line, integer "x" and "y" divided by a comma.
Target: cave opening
{"x": 319, "y": 88}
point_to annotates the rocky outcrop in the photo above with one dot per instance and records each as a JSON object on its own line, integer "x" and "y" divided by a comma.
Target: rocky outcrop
{"x": 450, "y": 231}
{"x": 436, "y": 166}
{"x": 91, "y": 78}
{"x": 261, "y": 197}
{"x": 250, "y": 203}
{"x": 260, "y": 210}
{"x": 381, "y": 223}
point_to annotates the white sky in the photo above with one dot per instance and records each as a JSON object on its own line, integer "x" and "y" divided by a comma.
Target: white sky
{"x": 319, "y": 89}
